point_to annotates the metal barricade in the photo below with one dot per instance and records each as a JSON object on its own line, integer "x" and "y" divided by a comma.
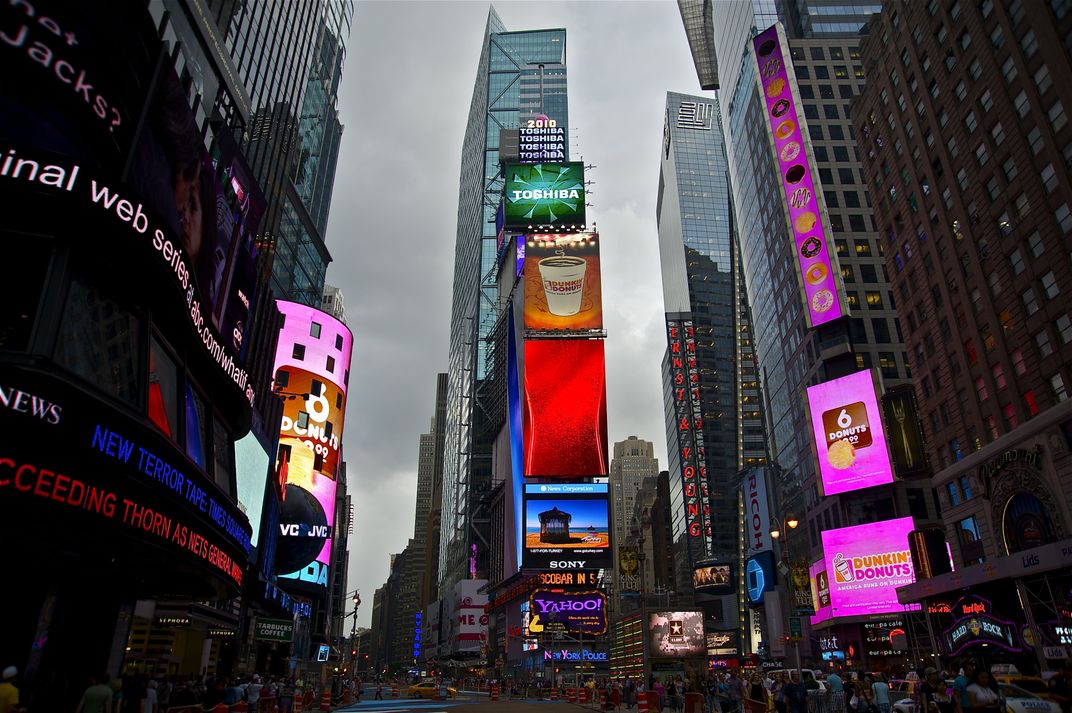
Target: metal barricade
{"x": 819, "y": 702}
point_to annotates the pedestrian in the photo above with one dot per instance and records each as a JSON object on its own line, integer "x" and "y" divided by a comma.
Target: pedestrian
{"x": 796, "y": 695}
{"x": 379, "y": 691}
{"x": 9, "y": 692}
{"x": 881, "y": 694}
{"x": 660, "y": 692}
{"x": 778, "y": 692}
{"x": 961, "y": 700}
{"x": 253, "y": 692}
{"x": 671, "y": 692}
{"x": 286, "y": 696}
{"x": 984, "y": 693}
{"x": 98, "y": 696}
{"x": 934, "y": 697}
{"x": 836, "y": 687}
{"x": 150, "y": 702}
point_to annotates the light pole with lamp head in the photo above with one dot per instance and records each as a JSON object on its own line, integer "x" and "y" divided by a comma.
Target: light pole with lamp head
{"x": 788, "y": 523}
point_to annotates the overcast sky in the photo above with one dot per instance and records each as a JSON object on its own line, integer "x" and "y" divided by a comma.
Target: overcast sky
{"x": 405, "y": 98}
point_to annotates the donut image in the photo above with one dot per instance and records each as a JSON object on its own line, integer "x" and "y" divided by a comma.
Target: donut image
{"x": 771, "y": 67}
{"x": 822, "y": 300}
{"x": 766, "y": 48}
{"x": 776, "y": 87}
{"x": 811, "y": 247}
{"x": 800, "y": 198}
{"x": 794, "y": 174}
{"x": 804, "y": 222}
{"x": 790, "y": 151}
{"x": 816, "y": 274}
{"x": 785, "y": 129}
{"x": 780, "y": 107}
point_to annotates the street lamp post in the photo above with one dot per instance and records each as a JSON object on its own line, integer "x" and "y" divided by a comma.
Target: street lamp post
{"x": 789, "y": 523}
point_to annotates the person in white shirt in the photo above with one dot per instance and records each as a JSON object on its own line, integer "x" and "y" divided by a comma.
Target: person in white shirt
{"x": 149, "y": 703}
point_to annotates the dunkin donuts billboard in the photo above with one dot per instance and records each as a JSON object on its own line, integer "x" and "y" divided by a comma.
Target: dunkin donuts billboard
{"x": 864, "y": 566}
{"x": 819, "y": 274}
{"x": 563, "y": 290}
{"x": 850, "y": 441}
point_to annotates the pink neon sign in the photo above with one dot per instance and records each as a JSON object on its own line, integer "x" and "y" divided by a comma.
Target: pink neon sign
{"x": 820, "y": 591}
{"x": 819, "y": 274}
{"x": 850, "y": 441}
{"x": 865, "y": 564}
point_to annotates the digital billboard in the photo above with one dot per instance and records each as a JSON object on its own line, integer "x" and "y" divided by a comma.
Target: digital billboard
{"x": 820, "y": 591}
{"x": 723, "y": 643}
{"x": 565, "y": 611}
{"x": 819, "y": 275}
{"x": 759, "y": 576}
{"x": 542, "y": 140}
{"x": 850, "y": 442}
{"x": 544, "y": 195}
{"x": 563, "y": 288}
{"x": 564, "y": 416}
{"x": 628, "y": 569}
{"x": 676, "y": 634}
{"x": 865, "y": 565}
{"x": 757, "y": 520}
{"x": 312, "y": 367}
{"x": 908, "y": 448}
{"x": 567, "y": 526}
{"x": 713, "y": 578}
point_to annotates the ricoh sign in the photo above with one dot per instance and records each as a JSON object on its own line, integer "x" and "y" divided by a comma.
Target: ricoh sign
{"x": 757, "y": 512}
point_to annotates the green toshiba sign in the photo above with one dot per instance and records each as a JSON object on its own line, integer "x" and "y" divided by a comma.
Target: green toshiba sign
{"x": 274, "y": 630}
{"x": 550, "y": 195}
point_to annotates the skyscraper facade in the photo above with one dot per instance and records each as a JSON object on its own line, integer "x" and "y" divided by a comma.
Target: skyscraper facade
{"x": 632, "y": 461}
{"x": 521, "y": 75}
{"x": 713, "y": 408}
{"x": 967, "y": 144}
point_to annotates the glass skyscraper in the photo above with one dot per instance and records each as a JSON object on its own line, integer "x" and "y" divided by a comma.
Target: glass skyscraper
{"x": 703, "y": 287}
{"x": 521, "y": 75}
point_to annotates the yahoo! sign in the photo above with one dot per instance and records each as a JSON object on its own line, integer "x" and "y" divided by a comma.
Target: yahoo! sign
{"x": 582, "y": 612}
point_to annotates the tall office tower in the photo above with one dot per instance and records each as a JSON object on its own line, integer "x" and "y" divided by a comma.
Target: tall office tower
{"x": 425, "y": 480}
{"x": 713, "y": 409}
{"x": 430, "y": 527}
{"x": 521, "y": 75}
{"x": 633, "y": 460}
{"x": 291, "y": 57}
{"x": 965, "y": 131}
{"x": 332, "y": 302}
{"x": 788, "y": 354}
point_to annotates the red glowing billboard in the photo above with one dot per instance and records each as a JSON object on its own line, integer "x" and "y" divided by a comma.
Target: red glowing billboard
{"x": 312, "y": 371}
{"x": 564, "y": 417}
{"x": 850, "y": 441}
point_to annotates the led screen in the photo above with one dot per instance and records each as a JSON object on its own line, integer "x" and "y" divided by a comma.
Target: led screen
{"x": 908, "y": 451}
{"x": 567, "y": 526}
{"x": 850, "y": 442}
{"x": 820, "y": 591}
{"x": 549, "y": 195}
{"x": 676, "y": 634}
{"x": 713, "y": 578}
{"x": 759, "y": 576}
{"x": 563, "y": 290}
{"x": 312, "y": 364}
{"x": 557, "y": 610}
{"x": 865, "y": 564}
{"x": 564, "y": 409}
{"x": 805, "y": 208}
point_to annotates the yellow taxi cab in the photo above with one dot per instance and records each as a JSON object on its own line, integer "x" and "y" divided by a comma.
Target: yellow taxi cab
{"x": 428, "y": 689}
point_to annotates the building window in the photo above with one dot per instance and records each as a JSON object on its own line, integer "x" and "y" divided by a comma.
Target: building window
{"x": 980, "y": 388}
{"x": 1034, "y": 242}
{"x": 1064, "y": 219}
{"x": 1030, "y": 305}
{"x": 986, "y": 100}
{"x": 971, "y": 542}
{"x": 999, "y": 376}
{"x": 298, "y": 352}
{"x": 1057, "y": 116}
{"x": 951, "y": 488}
{"x": 1022, "y": 106}
{"x": 163, "y": 400}
{"x": 1057, "y": 387}
{"x": 998, "y": 133}
{"x": 992, "y": 188}
{"x": 1049, "y": 178}
{"x": 1022, "y": 205}
{"x": 1042, "y": 339}
{"x": 1034, "y": 138}
{"x": 1029, "y": 44}
{"x": 1031, "y": 403}
{"x": 1016, "y": 261}
{"x": 997, "y": 37}
{"x": 970, "y": 122}
{"x": 1010, "y": 416}
{"x": 1009, "y": 169}
{"x": 1064, "y": 328}
{"x": 1018, "y": 362}
{"x": 874, "y": 300}
{"x": 981, "y": 154}
{"x": 314, "y": 330}
{"x": 1049, "y": 285}
{"x": 1008, "y": 68}
{"x": 1042, "y": 79}
{"x": 330, "y": 365}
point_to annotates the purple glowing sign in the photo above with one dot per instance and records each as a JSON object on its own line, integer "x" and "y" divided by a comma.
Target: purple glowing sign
{"x": 850, "y": 441}
{"x": 865, "y": 564}
{"x": 819, "y": 275}
{"x": 579, "y": 612}
{"x": 820, "y": 591}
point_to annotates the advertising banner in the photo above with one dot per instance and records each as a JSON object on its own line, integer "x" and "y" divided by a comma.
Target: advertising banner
{"x": 756, "y": 511}
{"x": 865, "y": 565}
{"x": 714, "y": 578}
{"x": 820, "y": 591}
{"x": 564, "y": 611}
{"x": 312, "y": 360}
{"x": 819, "y": 275}
{"x": 850, "y": 443}
{"x": 759, "y": 576}
{"x": 542, "y": 140}
{"x": 567, "y": 526}
{"x": 471, "y": 622}
{"x": 564, "y": 418}
{"x": 676, "y": 634}
{"x": 908, "y": 448}
{"x": 628, "y": 569}
{"x": 803, "y": 604}
{"x": 545, "y": 195}
{"x": 563, "y": 291}
{"x": 274, "y": 630}
{"x": 723, "y": 643}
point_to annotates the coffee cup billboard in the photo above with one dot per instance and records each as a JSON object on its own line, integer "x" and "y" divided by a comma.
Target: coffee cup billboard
{"x": 563, "y": 285}
{"x": 850, "y": 442}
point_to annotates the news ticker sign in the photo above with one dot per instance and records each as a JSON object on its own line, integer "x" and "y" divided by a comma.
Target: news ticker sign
{"x": 819, "y": 274}
{"x": 569, "y": 611}
{"x": 65, "y": 458}
{"x": 541, "y": 140}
